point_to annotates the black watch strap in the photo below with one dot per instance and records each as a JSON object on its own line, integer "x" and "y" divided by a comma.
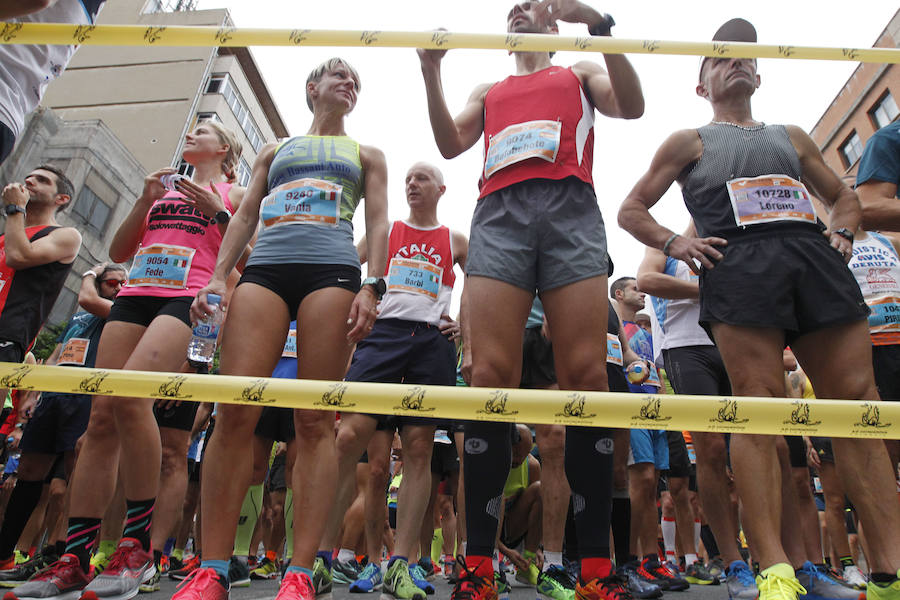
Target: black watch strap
{"x": 11, "y": 209}
{"x": 845, "y": 233}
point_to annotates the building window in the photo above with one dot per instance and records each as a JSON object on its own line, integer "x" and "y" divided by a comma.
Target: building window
{"x": 154, "y": 6}
{"x": 91, "y": 209}
{"x": 185, "y": 169}
{"x": 243, "y": 173}
{"x": 215, "y": 84}
{"x": 851, "y": 149}
{"x": 222, "y": 84}
{"x": 208, "y": 116}
{"x": 884, "y": 111}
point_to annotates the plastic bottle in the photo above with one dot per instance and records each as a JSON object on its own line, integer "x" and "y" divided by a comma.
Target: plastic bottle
{"x": 203, "y": 341}
{"x": 168, "y": 180}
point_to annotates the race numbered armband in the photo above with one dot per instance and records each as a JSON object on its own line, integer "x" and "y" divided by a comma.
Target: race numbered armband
{"x": 290, "y": 345}
{"x": 534, "y": 139}
{"x": 74, "y": 352}
{"x": 614, "y": 350}
{"x": 416, "y": 276}
{"x": 303, "y": 201}
{"x": 161, "y": 265}
{"x": 768, "y": 199}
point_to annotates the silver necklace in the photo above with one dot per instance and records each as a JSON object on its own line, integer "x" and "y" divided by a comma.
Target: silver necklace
{"x": 744, "y": 127}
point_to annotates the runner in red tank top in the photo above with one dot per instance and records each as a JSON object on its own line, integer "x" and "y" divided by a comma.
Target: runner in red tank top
{"x": 537, "y": 228}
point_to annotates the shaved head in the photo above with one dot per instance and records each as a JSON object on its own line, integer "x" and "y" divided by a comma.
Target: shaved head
{"x": 430, "y": 168}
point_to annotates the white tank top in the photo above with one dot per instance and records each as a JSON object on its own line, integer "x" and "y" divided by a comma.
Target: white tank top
{"x": 26, "y": 69}
{"x": 679, "y": 318}
{"x": 876, "y": 266}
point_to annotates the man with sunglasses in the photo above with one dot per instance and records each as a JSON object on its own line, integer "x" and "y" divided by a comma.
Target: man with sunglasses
{"x": 57, "y": 421}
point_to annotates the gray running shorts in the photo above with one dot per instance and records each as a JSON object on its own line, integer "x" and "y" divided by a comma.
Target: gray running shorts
{"x": 538, "y": 234}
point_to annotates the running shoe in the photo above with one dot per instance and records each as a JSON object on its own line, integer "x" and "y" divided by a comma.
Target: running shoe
{"x": 8, "y": 564}
{"x": 502, "y": 585}
{"x": 528, "y": 576}
{"x": 129, "y": 567}
{"x": 174, "y": 564}
{"x": 399, "y": 585}
{"x": 202, "y": 584}
{"x": 369, "y": 580}
{"x": 555, "y": 584}
{"x": 238, "y": 573}
{"x": 345, "y": 572}
{"x": 296, "y": 586}
{"x": 98, "y": 562}
{"x": 820, "y": 585}
{"x": 716, "y": 568}
{"x": 884, "y": 591}
{"x": 697, "y": 573}
{"x": 150, "y": 585}
{"x": 63, "y": 580}
{"x": 20, "y": 574}
{"x": 427, "y": 568}
{"x": 740, "y": 581}
{"x": 267, "y": 569}
{"x": 21, "y": 557}
{"x": 189, "y": 566}
{"x": 321, "y": 579}
{"x": 611, "y": 588}
{"x": 470, "y": 585}
{"x": 660, "y": 574}
{"x": 779, "y": 586}
{"x": 638, "y": 587}
{"x": 851, "y": 575}
{"x": 417, "y": 574}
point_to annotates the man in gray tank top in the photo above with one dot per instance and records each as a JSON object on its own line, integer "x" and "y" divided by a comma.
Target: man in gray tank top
{"x": 769, "y": 277}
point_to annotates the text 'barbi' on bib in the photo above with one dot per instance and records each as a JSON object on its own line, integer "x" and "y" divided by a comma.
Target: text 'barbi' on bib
{"x": 161, "y": 265}
{"x": 614, "y": 350}
{"x": 417, "y": 276}
{"x": 74, "y": 352}
{"x": 770, "y": 198}
{"x": 303, "y": 201}
{"x": 534, "y": 139}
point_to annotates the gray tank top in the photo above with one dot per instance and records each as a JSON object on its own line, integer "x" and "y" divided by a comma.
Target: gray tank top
{"x": 730, "y": 152}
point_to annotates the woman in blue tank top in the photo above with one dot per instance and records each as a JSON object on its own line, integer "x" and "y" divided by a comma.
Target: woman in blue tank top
{"x": 302, "y": 195}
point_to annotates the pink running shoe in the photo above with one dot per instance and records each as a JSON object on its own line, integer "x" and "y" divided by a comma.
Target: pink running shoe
{"x": 202, "y": 584}
{"x": 296, "y": 586}
{"x": 128, "y": 567}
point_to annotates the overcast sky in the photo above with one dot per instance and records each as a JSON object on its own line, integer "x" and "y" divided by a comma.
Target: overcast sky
{"x": 391, "y": 113}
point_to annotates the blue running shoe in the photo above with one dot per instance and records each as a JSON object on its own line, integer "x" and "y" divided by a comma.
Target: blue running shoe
{"x": 418, "y": 576}
{"x": 819, "y": 586}
{"x": 369, "y": 580}
{"x": 740, "y": 582}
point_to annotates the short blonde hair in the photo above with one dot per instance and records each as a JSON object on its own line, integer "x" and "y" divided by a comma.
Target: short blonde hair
{"x": 330, "y": 65}
{"x": 227, "y": 137}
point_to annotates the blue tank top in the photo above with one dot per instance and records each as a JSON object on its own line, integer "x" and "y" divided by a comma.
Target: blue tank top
{"x": 315, "y": 184}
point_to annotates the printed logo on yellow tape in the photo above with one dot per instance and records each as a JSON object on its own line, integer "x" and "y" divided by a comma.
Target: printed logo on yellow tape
{"x": 14, "y": 379}
{"x": 574, "y": 408}
{"x": 727, "y": 418}
{"x": 496, "y": 405}
{"x": 171, "y": 388}
{"x": 414, "y": 400}
{"x": 801, "y": 415}
{"x": 298, "y": 36}
{"x": 334, "y": 397}
{"x": 92, "y": 383}
{"x": 870, "y": 421}
{"x": 255, "y": 393}
{"x": 651, "y": 410}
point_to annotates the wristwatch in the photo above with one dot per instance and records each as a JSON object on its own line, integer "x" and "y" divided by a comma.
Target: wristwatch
{"x": 845, "y": 233}
{"x": 378, "y": 285}
{"x": 223, "y": 216}
{"x": 11, "y": 209}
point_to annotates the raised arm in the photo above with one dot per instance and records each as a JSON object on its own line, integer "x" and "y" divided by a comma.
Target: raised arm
{"x": 128, "y": 236}
{"x": 10, "y": 9}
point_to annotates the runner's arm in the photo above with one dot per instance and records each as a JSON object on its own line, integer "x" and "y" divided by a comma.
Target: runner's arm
{"x": 616, "y": 92}
{"x": 128, "y": 236}
{"x": 460, "y": 248}
{"x": 652, "y": 279}
{"x": 880, "y": 205}
{"x": 362, "y": 250}
{"x": 375, "y": 167}
{"x": 19, "y": 8}
{"x": 90, "y": 299}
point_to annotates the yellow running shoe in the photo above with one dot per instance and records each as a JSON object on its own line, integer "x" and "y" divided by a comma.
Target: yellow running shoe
{"x": 98, "y": 562}
{"x": 779, "y": 582}
{"x": 21, "y": 557}
{"x": 884, "y": 591}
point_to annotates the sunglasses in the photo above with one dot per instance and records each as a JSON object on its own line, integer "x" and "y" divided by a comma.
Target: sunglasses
{"x": 114, "y": 281}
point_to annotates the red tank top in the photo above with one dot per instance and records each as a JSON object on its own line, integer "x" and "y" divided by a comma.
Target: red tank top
{"x": 537, "y": 126}
{"x": 419, "y": 274}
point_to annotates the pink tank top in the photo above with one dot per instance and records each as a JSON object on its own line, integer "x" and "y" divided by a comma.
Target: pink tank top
{"x": 178, "y": 249}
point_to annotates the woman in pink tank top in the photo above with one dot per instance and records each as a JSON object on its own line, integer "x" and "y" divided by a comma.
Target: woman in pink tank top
{"x": 172, "y": 239}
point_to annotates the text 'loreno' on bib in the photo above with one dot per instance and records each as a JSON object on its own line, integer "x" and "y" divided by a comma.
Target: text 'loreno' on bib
{"x": 417, "y": 276}
{"x": 161, "y": 265}
{"x": 614, "y": 350}
{"x": 74, "y": 352}
{"x": 534, "y": 139}
{"x": 303, "y": 201}
{"x": 769, "y": 198}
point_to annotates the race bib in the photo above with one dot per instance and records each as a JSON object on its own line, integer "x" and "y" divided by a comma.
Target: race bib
{"x": 653, "y": 379}
{"x": 534, "y": 139}
{"x": 290, "y": 345}
{"x": 74, "y": 352}
{"x": 614, "y": 350}
{"x": 885, "y": 315}
{"x": 302, "y": 201}
{"x": 768, "y": 199}
{"x": 161, "y": 265}
{"x": 416, "y": 276}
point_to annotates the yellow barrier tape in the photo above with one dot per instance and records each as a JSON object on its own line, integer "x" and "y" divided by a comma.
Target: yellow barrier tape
{"x": 831, "y": 418}
{"x": 153, "y": 35}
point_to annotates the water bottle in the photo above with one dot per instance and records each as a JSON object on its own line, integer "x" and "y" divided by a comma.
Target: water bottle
{"x": 168, "y": 180}
{"x": 203, "y": 341}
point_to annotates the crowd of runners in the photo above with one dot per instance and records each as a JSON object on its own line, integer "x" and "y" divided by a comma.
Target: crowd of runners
{"x": 760, "y": 296}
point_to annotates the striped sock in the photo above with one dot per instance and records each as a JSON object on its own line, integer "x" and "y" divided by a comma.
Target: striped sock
{"x": 138, "y": 519}
{"x": 80, "y": 538}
